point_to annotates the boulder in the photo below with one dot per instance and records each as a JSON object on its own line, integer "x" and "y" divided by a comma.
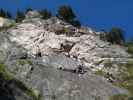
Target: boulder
{"x": 6, "y": 22}
{"x": 32, "y": 14}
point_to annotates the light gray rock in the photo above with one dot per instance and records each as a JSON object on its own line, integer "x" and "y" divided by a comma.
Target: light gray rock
{"x": 61, "y": 61}
{"x": 63, "y": 85}
{"x": 17, "y": 53}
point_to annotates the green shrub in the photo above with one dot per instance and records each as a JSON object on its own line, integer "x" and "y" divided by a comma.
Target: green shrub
{"x": 24, "y": 61}
{"x": 65, "y": 31}
{"x": 126, "y": 78}
{"x": 103, "y": 35}
{"x": 115, "y": 36}
{"x": 27, "y": 90}
{"x": 4, "y": 73}
{"x": 130, "y": 49}
{"x": 61, "y": 31}
{"x": 130, "y": 98}
{"x": 108, "y": 64}
{"x": 119, "y": 97}
{"x": 129, "y": 46}
{"x": 45, "y": 14}
{"x": 100, "y": 72}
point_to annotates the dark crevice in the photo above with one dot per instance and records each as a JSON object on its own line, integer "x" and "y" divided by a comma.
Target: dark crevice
{"x": 6, "y": 92}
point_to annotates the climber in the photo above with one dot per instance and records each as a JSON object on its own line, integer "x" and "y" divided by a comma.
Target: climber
{"x": 38, "y": 52}
{"x": 80, "y": 69}
{"x": 110, "y": 77}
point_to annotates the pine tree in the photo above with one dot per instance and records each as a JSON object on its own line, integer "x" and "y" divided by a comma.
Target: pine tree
{"x": 45, "y": 14}
{"x": 8, "y": 15}
{"x": 28, "y": 9}
{"x": 19, "y": 16}
{"x": 2, "y": 13}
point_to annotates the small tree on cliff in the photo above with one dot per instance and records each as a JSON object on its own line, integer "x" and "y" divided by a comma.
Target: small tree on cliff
{"x": 65, "y": 12}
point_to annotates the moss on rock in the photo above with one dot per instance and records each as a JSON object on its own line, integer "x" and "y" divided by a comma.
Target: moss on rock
{"x": 4, "y": 73}
{"x": 24, "y": 61}
{"x": 27, "y": 90}
{"x": 119, "y": 97}
{"x": 100, "y": 72}
{"x": 126, "y": 79}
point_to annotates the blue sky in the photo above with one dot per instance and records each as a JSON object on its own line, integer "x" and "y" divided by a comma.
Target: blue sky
{"x": 98, "y": 14}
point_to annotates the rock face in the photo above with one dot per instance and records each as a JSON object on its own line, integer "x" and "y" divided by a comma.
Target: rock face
{"x": 38, "y": 36}
{"x": 59, "y": 66}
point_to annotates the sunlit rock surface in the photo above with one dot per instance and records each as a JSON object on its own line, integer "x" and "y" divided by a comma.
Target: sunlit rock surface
{"x": 59, "y": 66}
